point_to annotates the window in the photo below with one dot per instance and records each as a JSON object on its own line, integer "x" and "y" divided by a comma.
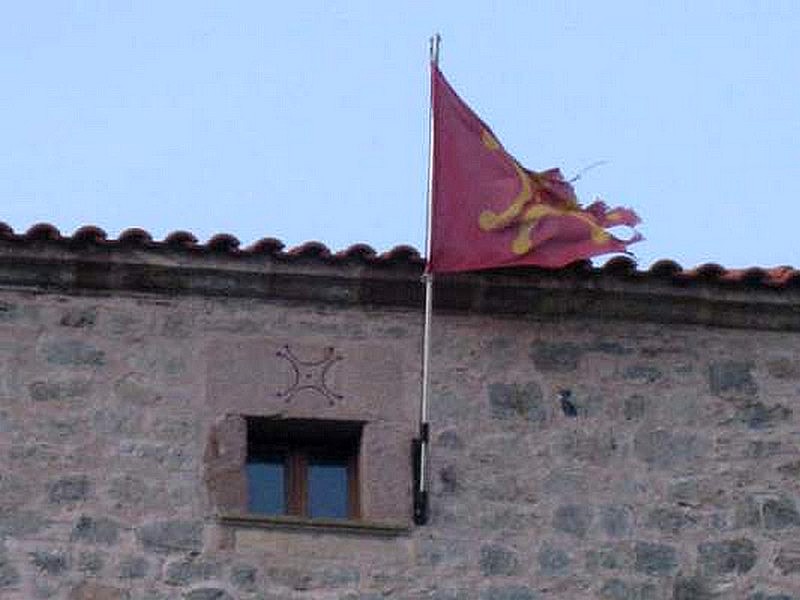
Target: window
{"x": 303, "y": 468}
{"x": 268, "y": 452}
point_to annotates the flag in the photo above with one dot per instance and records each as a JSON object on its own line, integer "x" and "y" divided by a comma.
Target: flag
{"x": 488, "y": 211}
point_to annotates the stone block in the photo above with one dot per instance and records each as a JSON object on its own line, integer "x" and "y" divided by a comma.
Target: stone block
{"x": 450, "y": 594}
{"x": 760, "y": 449}
{"x": 736, "y": 556}
{"x": 74, "y": 353}
{"x": 91, "y": 590}
{"x": 91, "y": 563}
{"x": 691, "y": 588}
{"x": 574, "y": 519}
{"x": 732, "y": 379}
{"x": 9, "y": 575}
{"x": 294, "y": 578}
{"x": 135, "y": 389}
{"x": 74, "y": 488}
{"x": 9, "y": 311}
{"x": 310, "y": 577}
{"x": 190, "y": 570}
{"x": 177, "y": 325}
{"x": 95, "y": 530}
{"x": 791, "y": 469}
{"x": 21, "y": 523}
{"x": 508, "y": 592}
{"x": 503, "y": 486}
{"x": 618, "y": 589}
{"x": 671, "y": 520}
{"x": 609, "y": 347}
{"x": 523, "y": 401}
{"x": 117, "y": 421}
{"x": 780, "y": 513}
{"x": 634, "y": 408}
{"x": 307, "y": 549}
{"x": 60, "y": 429}
{"x": 655, "y": 559}
{"x": 616, "y": 520}
{"x": 243, "y": 576}
{"x": 697, "y": 493}
{"x": 157, "y": 456}
{"x": 337, "y": 576}
{"x": 758, "y": 416}
{"x": 553, "y": 560}
{"x": 642, "y": 373}
{"x": 442, "y": 552}
{"x": 662, "y": 448}
{"x": 49, "y": 562}
{"x": 498, "y": 560}
{"x": 595, "y": 447}
{"x": 499, "y": 517}
{"x": 7, "y": 424}
{"x": 59, "y": 390}
{"x": 307, "y": 377}
{"x": 125, "y": 323}
{"x": 783, "y": 368}
{"x": 448, "y": 479}
{"x": 558, "y": 357}
{"x": 79, "y": 318}
{"x": 208, "y": 593}
{"x": 788, "y": 559}
{"x": 133, "y": 567}
{"x": 450, "y": 439}
{"x": 171, "y": 536}
{"x": 608, "y": 558}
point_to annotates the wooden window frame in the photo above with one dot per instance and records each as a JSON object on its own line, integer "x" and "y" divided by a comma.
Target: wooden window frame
{"x": 300, "y": 441}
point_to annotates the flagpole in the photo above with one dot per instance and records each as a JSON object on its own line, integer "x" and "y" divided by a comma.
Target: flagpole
{"x": 421, "y": 493}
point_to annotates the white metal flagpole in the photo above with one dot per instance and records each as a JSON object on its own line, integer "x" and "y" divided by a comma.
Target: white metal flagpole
{"x": 421, "y": 491}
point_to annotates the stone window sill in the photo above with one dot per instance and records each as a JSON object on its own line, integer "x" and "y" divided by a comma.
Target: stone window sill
{"x": 368, "y": 528}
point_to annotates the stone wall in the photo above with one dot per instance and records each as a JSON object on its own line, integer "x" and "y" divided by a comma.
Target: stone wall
{"x": 669, "y": 470}
{"x": 571, "y": 458}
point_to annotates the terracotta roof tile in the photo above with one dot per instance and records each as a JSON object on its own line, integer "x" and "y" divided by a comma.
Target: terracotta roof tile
{"x": 357, "y": 252}
{"x": 135, "y": 237}
{"x": 180, "y": 239}
{"x": 88, "y": 234}
{"x": 266, "y": 246}
{"x": 223, "y": 242}
{"x": 399, "y": 257}
{"x": 620, "y": 265}
{"x": 402, "y": 254}
{"x": 665, "y": 269}
{"x": 43, "y": 232}
{"x": 310, "y": 250}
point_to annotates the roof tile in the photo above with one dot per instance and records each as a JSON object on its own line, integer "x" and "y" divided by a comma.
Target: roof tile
{"x": 400, "y": 256}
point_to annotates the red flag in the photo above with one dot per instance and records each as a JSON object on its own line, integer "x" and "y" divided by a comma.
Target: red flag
{"x": 488, "y": 211}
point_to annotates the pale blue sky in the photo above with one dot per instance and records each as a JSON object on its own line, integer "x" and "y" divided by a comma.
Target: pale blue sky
{"x": 308, "y": 120}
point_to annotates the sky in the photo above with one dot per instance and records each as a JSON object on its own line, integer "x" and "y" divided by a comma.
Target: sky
{"x": 309, "y": 120}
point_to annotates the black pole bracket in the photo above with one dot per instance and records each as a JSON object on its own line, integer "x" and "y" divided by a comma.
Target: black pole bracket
{"x": 420, "y": 495}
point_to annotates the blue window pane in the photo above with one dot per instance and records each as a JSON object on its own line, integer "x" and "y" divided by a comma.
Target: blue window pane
{"x": 327, "y": 488}
{"x": 265, "y": 486}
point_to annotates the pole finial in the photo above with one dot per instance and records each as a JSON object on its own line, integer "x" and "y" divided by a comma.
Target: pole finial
{"x": 434, "y": 48}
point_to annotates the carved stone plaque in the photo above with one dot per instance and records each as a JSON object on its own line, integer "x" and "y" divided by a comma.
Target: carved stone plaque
{"x": 310, "y": 373}
{"x": 309, "y": 378}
